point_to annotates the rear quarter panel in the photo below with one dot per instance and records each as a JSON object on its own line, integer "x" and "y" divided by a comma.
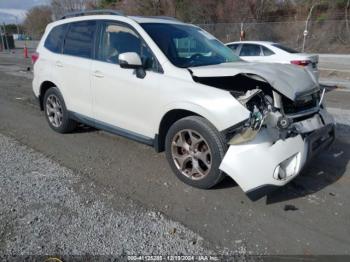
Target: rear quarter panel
{"x": 42, "y": 68}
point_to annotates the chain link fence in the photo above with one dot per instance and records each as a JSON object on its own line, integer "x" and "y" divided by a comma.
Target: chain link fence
{"x": 328, "y": 36}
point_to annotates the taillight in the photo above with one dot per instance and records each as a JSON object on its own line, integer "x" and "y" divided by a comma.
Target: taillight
{"x": 35, "y": 57}
{"x": 300, "y": 62}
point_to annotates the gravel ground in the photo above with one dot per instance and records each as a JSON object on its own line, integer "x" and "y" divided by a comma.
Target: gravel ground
{"x": 47, "y": 209}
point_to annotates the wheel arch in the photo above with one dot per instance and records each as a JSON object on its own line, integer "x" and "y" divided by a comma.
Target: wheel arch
{"x": 167, "y": 121}
{"x": 46, "y": 85}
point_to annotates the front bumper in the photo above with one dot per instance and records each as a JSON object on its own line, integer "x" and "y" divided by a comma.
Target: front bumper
{"x": 263, "y": 164}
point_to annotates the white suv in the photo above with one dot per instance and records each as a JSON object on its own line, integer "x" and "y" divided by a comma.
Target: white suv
{"x": 177, "y": 88}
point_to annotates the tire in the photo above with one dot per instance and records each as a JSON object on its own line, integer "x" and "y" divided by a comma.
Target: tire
{"x": 194, "y": 149}
{"x": 54, "y": 106}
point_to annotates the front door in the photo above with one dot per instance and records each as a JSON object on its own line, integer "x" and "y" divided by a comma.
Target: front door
{"x": 120, "y": 98}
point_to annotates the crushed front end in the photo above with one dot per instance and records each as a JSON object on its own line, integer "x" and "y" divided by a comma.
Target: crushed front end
{"x": 284, "y": 131}
{"x": 276, "y": 142}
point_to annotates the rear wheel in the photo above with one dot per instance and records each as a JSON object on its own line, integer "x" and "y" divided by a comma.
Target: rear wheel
{"x": 56, "y": 112}
{"x": 194, "y": 150}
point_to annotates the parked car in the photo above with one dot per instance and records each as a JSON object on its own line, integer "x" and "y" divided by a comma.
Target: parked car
{"x": 177, "y": 88}
{"x": 269, "y": 52}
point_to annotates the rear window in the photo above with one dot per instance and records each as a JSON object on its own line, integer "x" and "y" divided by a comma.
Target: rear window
{"x": 55, "y": 38}
{"x": 80, "y": 38}
{"x": 285, "y": 48}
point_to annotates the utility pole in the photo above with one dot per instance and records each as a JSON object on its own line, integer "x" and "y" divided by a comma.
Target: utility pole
{"x": 17, "y": 25}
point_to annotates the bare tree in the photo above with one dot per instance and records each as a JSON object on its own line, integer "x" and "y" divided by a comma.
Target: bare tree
{"x": 61, "y": 7}
{"x": 36, "y": 21}
{"x": 259, "y": 8}
{"x": 150, "y": 7}
{"x": 306, "y": 31}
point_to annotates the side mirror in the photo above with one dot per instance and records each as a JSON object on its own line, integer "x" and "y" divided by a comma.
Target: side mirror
{"x": 130, "y": 60}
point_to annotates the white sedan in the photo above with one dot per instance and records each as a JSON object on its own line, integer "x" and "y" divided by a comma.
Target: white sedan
{"x": 269, "y": 52}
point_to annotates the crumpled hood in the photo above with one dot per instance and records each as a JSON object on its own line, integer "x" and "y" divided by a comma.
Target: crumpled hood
{"x": 290, "y": 80}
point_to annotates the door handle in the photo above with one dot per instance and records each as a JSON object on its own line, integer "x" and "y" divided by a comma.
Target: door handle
{"x": 59, "y": 64}
{"x": 98, "y": 74}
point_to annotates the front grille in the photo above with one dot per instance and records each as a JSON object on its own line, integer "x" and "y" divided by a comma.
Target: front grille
{"x": 301, "y": 104}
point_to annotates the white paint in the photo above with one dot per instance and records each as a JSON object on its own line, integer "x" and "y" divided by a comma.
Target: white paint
{"x": 252, "y": 164}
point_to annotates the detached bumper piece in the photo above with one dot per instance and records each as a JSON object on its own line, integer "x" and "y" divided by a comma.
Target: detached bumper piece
{"x": 261, "y": 165}
{"x": 320, "y": 139}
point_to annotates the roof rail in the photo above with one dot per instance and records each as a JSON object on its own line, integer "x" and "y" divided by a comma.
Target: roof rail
{"x": 167, "y": 18}
{"x": 92, "y": 12}
{"x": 162, "y": 17}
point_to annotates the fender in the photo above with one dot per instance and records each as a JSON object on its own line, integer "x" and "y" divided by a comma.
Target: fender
{"x": 228, "y": 117}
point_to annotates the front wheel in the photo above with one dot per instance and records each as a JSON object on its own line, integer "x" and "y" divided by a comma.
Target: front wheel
{"x": 194, "y": 150}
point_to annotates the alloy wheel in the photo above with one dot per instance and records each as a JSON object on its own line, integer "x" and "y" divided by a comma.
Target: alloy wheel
{"x": 54, "y": 110}
{"x": 191, "y": 154}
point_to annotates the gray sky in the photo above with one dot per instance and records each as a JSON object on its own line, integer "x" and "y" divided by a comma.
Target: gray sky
{"x": 10, "y": 9}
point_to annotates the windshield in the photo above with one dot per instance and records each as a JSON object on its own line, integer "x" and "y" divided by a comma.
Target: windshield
{"x": 189, "y": 46}
{"x": 285, "y": 48}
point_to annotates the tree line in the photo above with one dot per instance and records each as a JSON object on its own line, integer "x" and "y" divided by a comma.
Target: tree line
{"x": 197, "y": 11}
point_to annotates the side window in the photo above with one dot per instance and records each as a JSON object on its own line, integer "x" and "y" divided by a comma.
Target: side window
{"x": 250, "y": 50}
{"x": 116, "y": 39}
{"x": 267, "y": 51}
{"x": 79, "y": 39}
{"x": 55, "y": 38}
{"x": 234, "y": 47}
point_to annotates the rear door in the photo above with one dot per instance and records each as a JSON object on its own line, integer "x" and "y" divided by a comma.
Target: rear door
{"x": 45, "y": 68}
{"x": 74, "y": 66}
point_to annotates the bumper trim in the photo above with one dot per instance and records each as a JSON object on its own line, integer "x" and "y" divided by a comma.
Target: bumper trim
{"x": 261, "y": 191}
{"x": 319, "y": 140}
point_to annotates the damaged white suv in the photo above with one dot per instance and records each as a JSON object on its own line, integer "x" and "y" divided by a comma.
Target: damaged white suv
{"x": 174, "y": 86}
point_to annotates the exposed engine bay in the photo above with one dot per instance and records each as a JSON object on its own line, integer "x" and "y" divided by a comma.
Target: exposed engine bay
{"x": 268, "y": 108}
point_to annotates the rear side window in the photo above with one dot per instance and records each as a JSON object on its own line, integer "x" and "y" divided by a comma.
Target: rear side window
{"x": 55, "y": 38}
{"x": 267, "y": 51}
{"x": 80, "y": 38}
{"x": 250, "y": 50}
